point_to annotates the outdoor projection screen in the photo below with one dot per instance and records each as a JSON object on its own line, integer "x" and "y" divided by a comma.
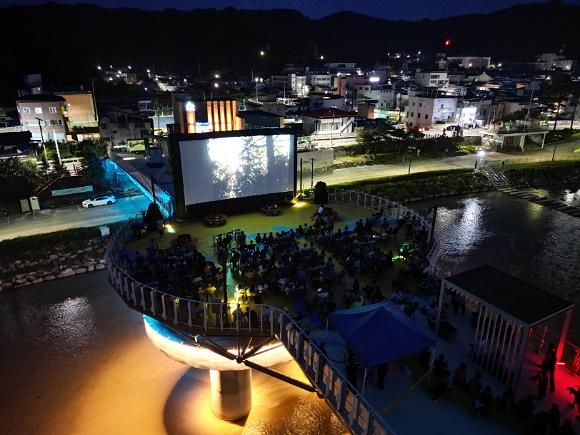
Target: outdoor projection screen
{"x": 220, "y": 168}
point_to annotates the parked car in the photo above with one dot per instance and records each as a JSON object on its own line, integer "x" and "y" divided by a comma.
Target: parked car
{"x": 99, "y": 200}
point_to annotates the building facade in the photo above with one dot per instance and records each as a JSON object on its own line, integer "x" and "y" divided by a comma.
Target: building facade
{"x": 424, "y": 110}
{"x": 43, "y": 115}
{"x": 432, "y": 79}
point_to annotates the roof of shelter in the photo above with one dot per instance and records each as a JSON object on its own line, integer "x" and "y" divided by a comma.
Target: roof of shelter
{"x": 511, "y": 295}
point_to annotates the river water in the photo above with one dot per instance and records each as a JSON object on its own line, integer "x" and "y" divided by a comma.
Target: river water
{"x": 74, "y": 359}
{"x": 534, "y": 243}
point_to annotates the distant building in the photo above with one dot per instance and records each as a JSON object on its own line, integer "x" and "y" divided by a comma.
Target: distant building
{"x": 318, "y": 101}
{"x": 43, "y": 115}
{"x": 251, "y": 119}
{"x": 299, "y": 84}
{"x": 429, "y": 107}
{"x": 384, "y": 95}
{"x": 470, "y": 62}
{"x": 17, "y": 142}
{"x": 549, "y": 61}
{"x": 432, "y": 79}
{"x": 119, "y": 127}
{"x": 80, "y": 112}
{"x": 327, "y": 121}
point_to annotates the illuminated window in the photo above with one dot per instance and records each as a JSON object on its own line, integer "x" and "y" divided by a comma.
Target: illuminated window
{"x": 38, "y": 110}
{"x": 26, "y": 110}
{"x": 52, "y": 110}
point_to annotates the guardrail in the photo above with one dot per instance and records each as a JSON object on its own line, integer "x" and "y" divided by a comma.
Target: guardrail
{"x": 375, "y": 203}
{"x": 345, "y": 400}
{"x": 154, "y": 191}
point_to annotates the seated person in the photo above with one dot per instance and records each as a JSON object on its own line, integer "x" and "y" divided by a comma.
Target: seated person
{"x": 460, "y": 375}
{"x": 475, "y": 384}
{"x": 482, "y": 404}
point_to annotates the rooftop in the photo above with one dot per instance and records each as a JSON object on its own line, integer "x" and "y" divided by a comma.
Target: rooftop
{"x": 513, "y": 296}
{"x": 328, "y": 113}
{"x": 41, "y": 97}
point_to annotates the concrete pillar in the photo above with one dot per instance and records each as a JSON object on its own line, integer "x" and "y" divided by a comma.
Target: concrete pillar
{"x": 231, "y": 393}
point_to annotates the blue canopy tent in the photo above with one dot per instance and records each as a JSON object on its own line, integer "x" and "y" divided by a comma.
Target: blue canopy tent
{"x": 380, "y": 333}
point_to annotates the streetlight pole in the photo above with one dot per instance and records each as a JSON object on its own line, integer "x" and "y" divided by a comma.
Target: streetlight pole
{"x": 42, "y": 138}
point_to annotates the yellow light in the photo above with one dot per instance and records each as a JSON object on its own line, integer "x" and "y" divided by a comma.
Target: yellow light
{"x": 170, "y": 228}
{"x": 298, "y": 204}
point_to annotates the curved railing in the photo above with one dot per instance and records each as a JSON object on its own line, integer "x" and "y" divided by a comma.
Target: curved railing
{"x": 376, "y": 203}
{"x": 214, "y": 318}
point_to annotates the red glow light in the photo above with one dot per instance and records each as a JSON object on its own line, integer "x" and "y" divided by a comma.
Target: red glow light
{"x": 447, "y": 42}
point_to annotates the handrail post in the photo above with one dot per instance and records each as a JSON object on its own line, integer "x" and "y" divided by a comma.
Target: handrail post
{"x": 175, "y": 306}
{"x": 249, "y": 320}
{"x": 142, "y": 298}
{"x": 261, "y": 318}
{"x": 189, "y": 320}
{"x": 237, "y": 317}
{"x": 205, "y": 316}
{"x": 163, "y": 309}
{"x": 271, "y": 317}
{"x": 152, "y": 294}
{"x": 221, "y": 317}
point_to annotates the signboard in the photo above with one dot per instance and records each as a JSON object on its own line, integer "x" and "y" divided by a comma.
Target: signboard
{"x": 136, "y": 145}
{"x": 72, "y": 190}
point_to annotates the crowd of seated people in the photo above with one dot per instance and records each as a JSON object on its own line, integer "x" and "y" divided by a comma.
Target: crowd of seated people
{"x": 180, "y": 270}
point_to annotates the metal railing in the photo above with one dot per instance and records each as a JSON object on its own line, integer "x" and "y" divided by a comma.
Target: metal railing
{"x": 376, "y": 203}
{"x": 161, "y": 196}
{"x": 215, "y": 318}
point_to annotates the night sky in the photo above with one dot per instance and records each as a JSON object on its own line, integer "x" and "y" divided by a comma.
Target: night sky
{"x": 390, "y": 9}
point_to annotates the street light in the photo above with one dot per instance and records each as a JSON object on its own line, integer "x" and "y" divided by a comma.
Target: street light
{"x": 42, "y": 138}
{"x": 99, "y": 67}
{"x": 262, "y": 53}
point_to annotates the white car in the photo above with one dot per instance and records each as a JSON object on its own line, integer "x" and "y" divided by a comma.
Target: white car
{"x": 99, "y": 200}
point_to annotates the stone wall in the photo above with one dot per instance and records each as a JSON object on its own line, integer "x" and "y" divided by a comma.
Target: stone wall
{"x": 58, "y": 262}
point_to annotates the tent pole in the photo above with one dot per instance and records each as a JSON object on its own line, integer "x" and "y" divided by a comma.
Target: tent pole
{"x": 364, "y": 381}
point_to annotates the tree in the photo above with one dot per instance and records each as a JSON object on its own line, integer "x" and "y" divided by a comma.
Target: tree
{"x": 59, "y": 170}
{"x": 44, "y": 165}
{"x": 92, "y": 167}
{"x": 18, "y": 178}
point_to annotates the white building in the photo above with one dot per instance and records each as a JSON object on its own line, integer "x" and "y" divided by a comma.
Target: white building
{"x": 432, "y": 79}
{"x": 299, "y": 84}
{"x": 470, "y": 62}
{"x": 328, "y": 121}
{"x": 548, "y": 61}
{"x": 425, "y": 109}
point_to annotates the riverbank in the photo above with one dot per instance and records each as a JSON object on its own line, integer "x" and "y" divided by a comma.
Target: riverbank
{"x": 423, "y": 185}
{"x": 524, "y": 175}
{"x": 46, "y": 257}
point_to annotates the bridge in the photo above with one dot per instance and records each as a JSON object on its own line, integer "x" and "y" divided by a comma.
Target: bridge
{"x": 204, "y": 326}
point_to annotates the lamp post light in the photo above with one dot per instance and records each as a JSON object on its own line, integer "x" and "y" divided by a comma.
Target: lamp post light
{"x": 479, "y": 157}
{"x": 42, "y": 138}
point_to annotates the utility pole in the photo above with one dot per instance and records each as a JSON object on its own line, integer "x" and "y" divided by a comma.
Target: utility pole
{"x": 529, "y": 109}
{"x": 312, "y": 173}
{"x": 42, "y": 138}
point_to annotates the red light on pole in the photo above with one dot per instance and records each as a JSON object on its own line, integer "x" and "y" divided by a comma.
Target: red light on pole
{"x": 447, "y": 42}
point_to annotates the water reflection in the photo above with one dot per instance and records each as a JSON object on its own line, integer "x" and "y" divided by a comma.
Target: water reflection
{"x": 532, "y": 242}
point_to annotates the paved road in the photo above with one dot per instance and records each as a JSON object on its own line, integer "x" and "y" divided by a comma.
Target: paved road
{"x": 64, "y": 218}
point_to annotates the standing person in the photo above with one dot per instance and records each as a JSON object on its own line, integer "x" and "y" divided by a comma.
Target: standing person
{"x": 542, "y": 384}
{"x": 554, "y": 419}
{"x": 160, "y": 228}
{"x": 383, "y": 371}
{"x": 549, "y": 365}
